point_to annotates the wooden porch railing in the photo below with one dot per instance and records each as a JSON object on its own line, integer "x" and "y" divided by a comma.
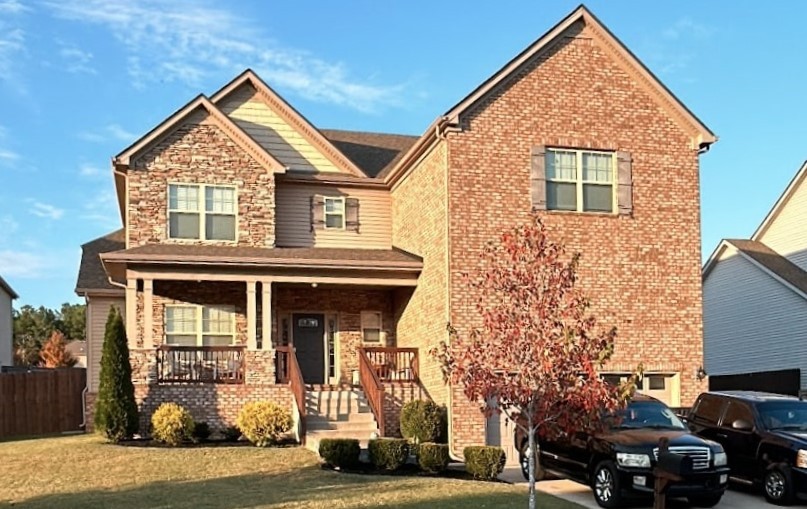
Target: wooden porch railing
{"x": 373, "y": 389}
{"x": 288, "y": 371}
{"x": 200, "y": 364}
{"x": 394, "y": 364}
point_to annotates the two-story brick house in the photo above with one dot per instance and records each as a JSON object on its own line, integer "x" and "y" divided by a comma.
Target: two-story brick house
{"x": 247, "y": 230}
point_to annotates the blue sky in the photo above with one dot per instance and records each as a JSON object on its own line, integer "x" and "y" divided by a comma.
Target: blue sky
{"x": 81, "y": 79}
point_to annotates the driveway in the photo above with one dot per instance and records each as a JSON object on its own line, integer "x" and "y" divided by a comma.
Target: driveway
{"x": 738, "y": 498}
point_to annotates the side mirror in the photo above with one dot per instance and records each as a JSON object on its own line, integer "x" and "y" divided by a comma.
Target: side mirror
{"x": 742, "y": 425}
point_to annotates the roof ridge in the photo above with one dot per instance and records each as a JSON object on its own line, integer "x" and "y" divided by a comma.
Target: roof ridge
{"x": 328, "y": 129}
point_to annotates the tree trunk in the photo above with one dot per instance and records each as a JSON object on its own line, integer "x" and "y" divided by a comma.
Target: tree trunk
{"x": 532, "y": 453}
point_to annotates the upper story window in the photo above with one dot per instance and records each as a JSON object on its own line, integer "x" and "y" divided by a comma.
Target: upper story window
{"x": 193, "y": 325}
{"x": 202, "y": 212}
{"x": 580, "y": 180}
{"x": 371, "y": 326}
{"x": 334, "y": 213}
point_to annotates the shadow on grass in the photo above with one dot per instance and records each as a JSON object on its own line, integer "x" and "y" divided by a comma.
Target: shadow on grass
{"x": 306, "y": 487}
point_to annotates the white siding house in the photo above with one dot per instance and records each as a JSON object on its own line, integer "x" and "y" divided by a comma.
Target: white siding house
{"x": 7, "y": 295}
{"x": 755, "y": 294}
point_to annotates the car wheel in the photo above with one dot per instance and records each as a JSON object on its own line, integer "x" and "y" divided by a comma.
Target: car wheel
{"x": 778, "y": 485}
{"x": 524, "y": 461}
{"x": 705, "y": 500}
{"x": 605, "y": 485}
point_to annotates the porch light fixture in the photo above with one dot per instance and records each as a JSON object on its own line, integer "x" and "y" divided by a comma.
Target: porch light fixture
{"x": 701, "y": 373}
{"x": 314, "y": 285}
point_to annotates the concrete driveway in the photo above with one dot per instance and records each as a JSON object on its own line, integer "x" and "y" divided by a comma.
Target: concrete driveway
{"x": 738, "y": 498}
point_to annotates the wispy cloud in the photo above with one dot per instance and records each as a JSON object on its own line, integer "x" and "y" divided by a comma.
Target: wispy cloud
{"x": 89, "y": 170}
{"x": 23, "y": 264}
{"x": 102, "y": 209}
{"x": 686, "y": 27}
{"x": 45, "y": 210}
{"x": 77, "y": 61}
{"x": 191, "y": 41}
{"x": 7, "y": 156}
{"x": 12, "y": 42}
{"x": 678, "y": 47}
{"x": 12, "y": 7}
{"x": 107, "y": 133}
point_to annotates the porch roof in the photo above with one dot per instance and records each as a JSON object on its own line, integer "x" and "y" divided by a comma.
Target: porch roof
{"x": 278, "y": 257}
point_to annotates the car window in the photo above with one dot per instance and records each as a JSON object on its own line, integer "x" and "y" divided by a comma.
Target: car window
{"x": 735, "y": 411}
{"x": 709, "y": 409}
{"x": 784, "y": 415}
{"x": 647, "y": 414}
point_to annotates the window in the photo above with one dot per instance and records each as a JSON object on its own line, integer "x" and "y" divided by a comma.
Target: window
{"x": 191, "y": 325}
{"x": 371, "y": 326}
{"x": 709, "y": 409}
{"x": 736, "y": 411}
{"x": 579, "y": 180}
{"x": 187, "y": 219}
{"x": 334, "y": 213}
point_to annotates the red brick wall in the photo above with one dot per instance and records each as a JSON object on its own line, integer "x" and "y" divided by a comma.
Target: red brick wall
{"x": 199, "y": 152}
{"x": 642, "y": 272}
{"x": 396, "y": 396}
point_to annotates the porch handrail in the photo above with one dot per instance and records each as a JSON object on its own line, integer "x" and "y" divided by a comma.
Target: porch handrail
{"x": 201, "y": 364}
{"x": 373, "y": 389}
{"x": 294, "y": 377}
{"x": 393, "y": 364}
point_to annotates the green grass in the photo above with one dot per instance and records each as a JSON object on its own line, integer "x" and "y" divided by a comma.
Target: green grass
{"x": 85, "y": 472}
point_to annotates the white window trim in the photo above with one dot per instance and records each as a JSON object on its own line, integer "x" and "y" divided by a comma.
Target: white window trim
{"x": 200, "y": 333}
{"x": 579, "y": 182}
{"x": 325, "y": 212}
{"x": 381, "y": 340}
{"x": 202, "y": 211}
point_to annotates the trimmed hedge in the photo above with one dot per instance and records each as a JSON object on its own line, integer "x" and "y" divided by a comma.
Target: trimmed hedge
{"x": 201, "y": 431}
{"x": 388, "y": 453}
{"x": 172, "y": 424}
{"x": 433, "y": 458}
{"x": 423, "y": 421}
{"x": 262, "y": 422}
{"x": 340, "y": 452}
{"x": 231, "y": 434}
{"x": 484, "y": 463}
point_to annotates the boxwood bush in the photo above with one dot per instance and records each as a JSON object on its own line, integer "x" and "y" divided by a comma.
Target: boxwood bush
{"x": 262, "y": 422}
{"x": 423, "y": 421}
{"x": 433, "y": 458}
{"x": 485, "y": 463}
{"x": 388, "y": 453}
{"x": 340, "y": 452}
{"x": 172, "y": 424}
{"x": 201, "y": 431}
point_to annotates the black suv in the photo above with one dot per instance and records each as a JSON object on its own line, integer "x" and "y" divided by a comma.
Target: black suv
{"x": 764, "y": 435}
{"x": 618, "y": 463}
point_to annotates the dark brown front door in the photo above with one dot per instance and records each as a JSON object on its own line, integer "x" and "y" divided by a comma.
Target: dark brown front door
{"x": 309, "y": 342}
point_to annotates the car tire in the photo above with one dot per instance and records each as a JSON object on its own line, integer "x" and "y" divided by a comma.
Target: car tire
{"x": 705, "y": 500}
{"x": 605, "y": 485}
{"x": 778, "y": 485}
{"x": 523, "y": 461}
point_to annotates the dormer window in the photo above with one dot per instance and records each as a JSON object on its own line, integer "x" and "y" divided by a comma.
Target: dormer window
{"x": 202, "y": 212}
{"x": 334, "y": 213}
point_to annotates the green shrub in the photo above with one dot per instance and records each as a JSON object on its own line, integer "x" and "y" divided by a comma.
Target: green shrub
{"x": 172, "y": 424}
{"x": 340, "y": 452}
{"x": 262, "y": 422}
{"x": 423, "y": 421}
{"x": 201, "y": 431}
{"x": 433, "y": 458}
{"x": 231, "y": 434}
{"x": 115, "y": 409}
{"x": 388, "y": 453}
{"x": 484, "y": 463}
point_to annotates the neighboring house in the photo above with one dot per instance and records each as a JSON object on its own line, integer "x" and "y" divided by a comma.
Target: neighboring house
{"x": 7, "y": 295}
{"x": 755, "y": 301}
{"x": 247, "y": 229}
{"x": 78, "y": 350}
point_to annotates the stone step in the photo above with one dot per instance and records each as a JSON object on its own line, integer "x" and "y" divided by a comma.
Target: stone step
{"x": 351, "y": 417}
{"x": 362, "y": 428}
{"x": 360, "y": 435}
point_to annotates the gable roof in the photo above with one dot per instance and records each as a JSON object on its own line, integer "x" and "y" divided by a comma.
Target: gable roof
{"x": 293, "y": 117}
{"x": 768, "y": 260}
{"x": 701, "y": 134}
{"x": 7, "y": 288}
{"x": 375, "y": 153}
{"x": 232, "y": 130}
{"x": 780, "y": 204}
{"x": 91, "y": 274}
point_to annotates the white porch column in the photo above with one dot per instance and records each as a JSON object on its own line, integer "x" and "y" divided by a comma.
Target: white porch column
{"x": 148, "y": 313}
{"x": 252, "y": 342}
{"x": 131, "y": 312}
{"x": 266, "y": 314}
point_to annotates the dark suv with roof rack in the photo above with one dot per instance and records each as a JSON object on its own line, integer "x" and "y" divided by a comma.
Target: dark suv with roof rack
{"x": 618, "y": 462}
{"x": 764, "y": 435}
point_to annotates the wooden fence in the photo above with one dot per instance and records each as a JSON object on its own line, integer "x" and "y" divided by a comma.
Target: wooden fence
{"x": 41, "y": 402}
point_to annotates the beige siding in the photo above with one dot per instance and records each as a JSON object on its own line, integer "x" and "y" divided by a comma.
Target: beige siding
{"x": 5, "y": 329}
{"x": 273, "y": 133}
{"x": 751, "y": 321}
{"x": 293, "y": 228}
{"x": 97, "y": 313}
{"x": 787, "y": 234}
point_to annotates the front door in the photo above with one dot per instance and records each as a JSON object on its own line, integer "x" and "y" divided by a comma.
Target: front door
{"x": 309, "y": 343}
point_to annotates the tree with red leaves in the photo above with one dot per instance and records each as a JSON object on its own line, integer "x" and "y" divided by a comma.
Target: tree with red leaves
{"x": 54, "y": 352}
{"x": 538, "y": 353}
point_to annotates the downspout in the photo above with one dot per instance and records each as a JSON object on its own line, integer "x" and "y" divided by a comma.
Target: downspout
{"x": 86, "y": 389}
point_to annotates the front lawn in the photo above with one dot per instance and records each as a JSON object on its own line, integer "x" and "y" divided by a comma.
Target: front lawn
{"x": 84, "y": 472}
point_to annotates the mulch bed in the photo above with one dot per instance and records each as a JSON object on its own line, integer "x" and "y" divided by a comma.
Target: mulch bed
{"x": 409, "y": 469}
{"x": 150, "y": 442}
